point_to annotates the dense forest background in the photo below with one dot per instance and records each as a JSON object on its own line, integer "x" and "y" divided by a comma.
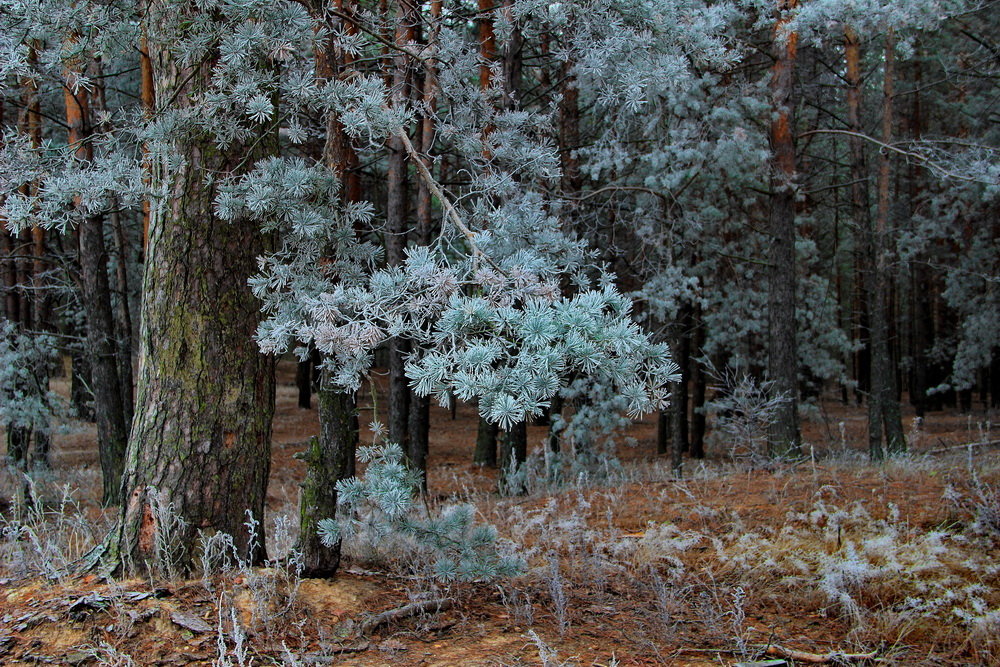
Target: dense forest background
{"x": 557, "y": 217}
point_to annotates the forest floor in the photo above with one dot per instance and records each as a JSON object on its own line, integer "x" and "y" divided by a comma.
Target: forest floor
{"x": 899, "y": 560}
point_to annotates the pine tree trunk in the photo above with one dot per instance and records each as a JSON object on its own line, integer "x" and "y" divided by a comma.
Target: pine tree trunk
{"x": 697, "y": 375}
{"x": 200, "y": 443}
{"x": 109, "y": 407}
{"x": 513, "y": 454}
{"x": 418, "y": 428}
{"x": 329, "y": 458}
{"x": 303, "y": 382}
{"x": 486, "y": 444}
{"x": 664, "y": 432}
{"x": 41, "y": 302}
{"x": 921, "y": 279}
{"x": 122, "y": 307}
{"x": 418, "y": 431}
{"x": 147, "y": 98}
{"x": 397, "y": 185}
{"x": 860, "y": 207}
{"x": 556, "y": 424}
{"x": 79, "y": 385}
{"x": 995, "y": 379}
{"x": 782, "y": 351}
{"x": 677, "y": 404}
{"x": 883, "y": 405}
{"x": 679, "y": 390}
{"x": 123, "y": 320}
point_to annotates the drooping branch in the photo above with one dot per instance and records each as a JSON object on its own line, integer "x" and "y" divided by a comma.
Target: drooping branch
{"x": 923, "y": 158}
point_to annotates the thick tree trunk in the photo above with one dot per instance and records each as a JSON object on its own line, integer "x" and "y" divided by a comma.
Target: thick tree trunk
{"x": 883, "y": 404}
{"x": 199, "y": 452}
{"x": 782, "y": 350}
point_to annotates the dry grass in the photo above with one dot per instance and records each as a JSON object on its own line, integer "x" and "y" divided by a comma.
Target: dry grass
{"x": 637, "y": 567}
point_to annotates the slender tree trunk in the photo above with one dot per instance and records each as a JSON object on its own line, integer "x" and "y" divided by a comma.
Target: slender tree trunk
{"x": 883, "y": 405}
{"x": 486, "y": 444}
{"x": 109, "y": 408}
{"x": 418, "y": 429}
{"x": 123, "y": 319}
{"x": 679, "y": 390}
{"x": 664, "y": 432}
{"x": 199, "y": 450}
{"x": 569, "y": 132}
{"x": 397, "y": 185}
{"x": 41, "y": 303}
{"x": 122, "y": 307}
{"x": 513, "y": 453}
{"x": 860, "y": 207}
{"x": 782, "y": 350}
{"x": 303, "y": 382}
{"x": 921, "y": 278}
{"x": 556, "y": 424}
{"x": 329, "y": 458}
{"x": 697, "y": 375}
{"x": 995, "y": 379}
{"x": 79, "y": 385}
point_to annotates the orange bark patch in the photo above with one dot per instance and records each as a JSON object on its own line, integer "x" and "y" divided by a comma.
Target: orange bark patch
{"x": 147, "y": 529}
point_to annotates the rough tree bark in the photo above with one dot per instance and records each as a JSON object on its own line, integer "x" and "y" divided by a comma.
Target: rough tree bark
{"x": 697, "y": 375}
{"x": 17, "y": 439}
{"x": 513, "y": 453}
{"x": 486, "y": 444}
{"x": 860, "y": 206}
{"x": 331, "y": 457}
{"x": 397, "y": 188}
{"x": 418, "y": 428}
{"x": 200, "y": 443}
{"x": 122, "y": 307}
{"x": 105, "y": 380}
{"x": 883, "y": 403}
{"x": 782, "y": 352}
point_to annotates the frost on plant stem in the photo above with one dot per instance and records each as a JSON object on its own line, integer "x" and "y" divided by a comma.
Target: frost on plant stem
{"x": 377, "y": 513}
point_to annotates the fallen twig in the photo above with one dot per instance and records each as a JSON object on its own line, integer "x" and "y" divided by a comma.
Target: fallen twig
{"x": 817, "y": 658}
{"x": 325, "y": 659}
{"x": 412, "y": 609}
{"x": 969, "y": 445}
